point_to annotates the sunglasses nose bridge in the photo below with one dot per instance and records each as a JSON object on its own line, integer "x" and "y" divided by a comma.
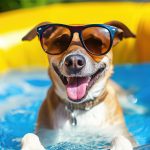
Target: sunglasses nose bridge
{"x": 75, "y": 37}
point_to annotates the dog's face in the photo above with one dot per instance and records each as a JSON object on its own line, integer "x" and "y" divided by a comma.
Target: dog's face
{"x": 78, "y": 75}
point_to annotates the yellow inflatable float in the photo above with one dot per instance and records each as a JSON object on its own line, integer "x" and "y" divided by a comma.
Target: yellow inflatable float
{"x": 15, "y": 54}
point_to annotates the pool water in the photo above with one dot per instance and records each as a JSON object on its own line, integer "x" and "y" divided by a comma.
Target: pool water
{"x": 21, "y": 94}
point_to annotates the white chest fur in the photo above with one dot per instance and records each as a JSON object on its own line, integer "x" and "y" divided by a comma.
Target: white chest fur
{"x": 94, "y": 117}
{"x": 93, "y": 123}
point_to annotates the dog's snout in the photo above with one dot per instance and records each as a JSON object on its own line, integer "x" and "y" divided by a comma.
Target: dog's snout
{"x": 75, "y": 63}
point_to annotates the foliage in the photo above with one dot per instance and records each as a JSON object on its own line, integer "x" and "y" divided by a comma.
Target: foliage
{"x": 15, "y": 4}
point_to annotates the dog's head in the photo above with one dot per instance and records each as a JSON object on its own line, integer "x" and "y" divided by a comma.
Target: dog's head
{"x": 79, "y": 74}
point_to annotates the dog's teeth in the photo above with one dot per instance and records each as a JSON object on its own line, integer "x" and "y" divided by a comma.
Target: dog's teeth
{"x": 68, "y": 79}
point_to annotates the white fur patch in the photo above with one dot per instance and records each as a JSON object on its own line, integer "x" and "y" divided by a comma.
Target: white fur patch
{"x": 96, "y": 90}
{"x": 94, "y": 117}
{"x": 98, "y": 87}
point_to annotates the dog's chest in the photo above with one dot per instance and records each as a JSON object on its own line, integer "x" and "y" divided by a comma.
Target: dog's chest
{"x": 95, "y": 117}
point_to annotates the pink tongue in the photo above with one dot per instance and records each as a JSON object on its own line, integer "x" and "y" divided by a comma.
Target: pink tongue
{"x": 76, "y": 87}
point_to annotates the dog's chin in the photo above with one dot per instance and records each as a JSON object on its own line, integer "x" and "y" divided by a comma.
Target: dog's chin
{"x": 77, "y": 87}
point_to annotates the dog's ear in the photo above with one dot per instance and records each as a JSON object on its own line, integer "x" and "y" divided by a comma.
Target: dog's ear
{"x": 123, "y": 31}
{"x": 32, "y": 33}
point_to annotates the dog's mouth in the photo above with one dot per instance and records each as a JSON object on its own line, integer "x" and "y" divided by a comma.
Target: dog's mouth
{"x": 77, "y": 87}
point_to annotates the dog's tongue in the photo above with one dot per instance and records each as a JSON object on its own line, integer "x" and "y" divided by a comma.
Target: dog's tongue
{"x": 76, "y": 87}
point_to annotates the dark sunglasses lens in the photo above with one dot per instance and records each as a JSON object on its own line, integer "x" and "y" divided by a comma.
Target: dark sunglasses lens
{"x": 96, "y": 40}
{"x": 56, "y": 39}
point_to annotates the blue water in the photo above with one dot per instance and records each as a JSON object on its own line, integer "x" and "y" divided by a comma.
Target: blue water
{"x": 21, "y": 95}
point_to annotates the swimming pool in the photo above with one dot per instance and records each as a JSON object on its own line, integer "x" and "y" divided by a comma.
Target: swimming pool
{"x": 21, "y": 94}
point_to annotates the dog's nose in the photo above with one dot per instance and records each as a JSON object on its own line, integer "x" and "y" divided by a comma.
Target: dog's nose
{"x": 75, "y": 63}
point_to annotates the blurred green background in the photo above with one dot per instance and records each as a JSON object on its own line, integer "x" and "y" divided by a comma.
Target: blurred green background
{"x": 15, "y": 4}
{"x": 6, "y": 5}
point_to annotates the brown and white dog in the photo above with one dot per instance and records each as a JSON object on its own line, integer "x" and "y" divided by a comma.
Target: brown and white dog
{"x": 97, "y": 106}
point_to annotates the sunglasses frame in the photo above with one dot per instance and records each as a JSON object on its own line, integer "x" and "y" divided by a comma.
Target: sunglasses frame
{"x": 112, "y": 30}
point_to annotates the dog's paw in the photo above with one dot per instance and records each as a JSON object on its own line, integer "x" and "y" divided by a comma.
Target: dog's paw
{"x": 31, "y": 141}
{"x": 121, "y": 143}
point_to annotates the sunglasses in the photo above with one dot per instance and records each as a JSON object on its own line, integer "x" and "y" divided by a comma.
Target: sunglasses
{"x": 97, "y": 39}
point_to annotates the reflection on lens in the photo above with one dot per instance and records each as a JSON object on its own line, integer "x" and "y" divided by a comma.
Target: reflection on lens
{"x": 96, "y": 40}
{"x": 56, "y": 39}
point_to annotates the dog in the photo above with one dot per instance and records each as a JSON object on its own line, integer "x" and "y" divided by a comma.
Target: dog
{"x": 82, "y": 94}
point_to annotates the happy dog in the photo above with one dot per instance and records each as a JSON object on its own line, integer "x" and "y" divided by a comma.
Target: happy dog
{"x": 80, "y": 58}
